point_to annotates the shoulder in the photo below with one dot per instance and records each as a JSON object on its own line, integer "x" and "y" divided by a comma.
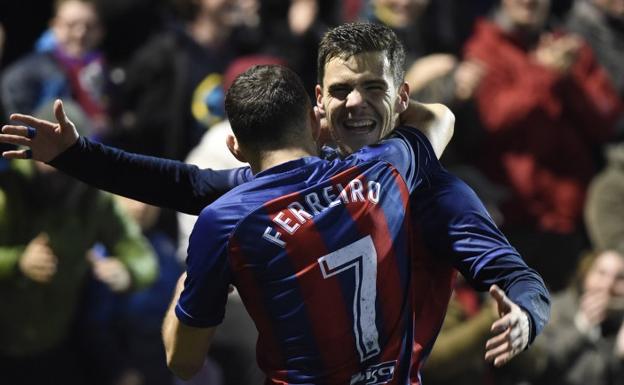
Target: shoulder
{"x": 452, "y": 195}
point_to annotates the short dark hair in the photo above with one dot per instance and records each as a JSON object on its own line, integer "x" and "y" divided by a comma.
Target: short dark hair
{"x": 350, "y": 39}
{"x": 267, "y": 106}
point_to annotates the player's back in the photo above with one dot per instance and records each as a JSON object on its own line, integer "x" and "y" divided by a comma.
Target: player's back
{"x": 321, "y": 260}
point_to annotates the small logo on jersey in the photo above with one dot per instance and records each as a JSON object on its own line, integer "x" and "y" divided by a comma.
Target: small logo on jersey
{"x": 373, "y": 375}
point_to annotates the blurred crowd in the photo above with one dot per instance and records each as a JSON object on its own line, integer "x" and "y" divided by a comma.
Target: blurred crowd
{"x": 537, "y": 87}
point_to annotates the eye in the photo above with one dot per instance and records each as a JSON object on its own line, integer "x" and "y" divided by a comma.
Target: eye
{"x": 340, "y": 92}
{"x": 375, "y": 88}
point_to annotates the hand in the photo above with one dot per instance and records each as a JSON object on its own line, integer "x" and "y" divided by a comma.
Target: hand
{"x": 468, "y": 75}
{"x": 434, "y": 120}
{"x": 558, "y": 54}
{"x": 511, "y": 330}
{"x": 110, "y": 271}
{"x": 38, "y": 261}
{"x": 593, "y": 308}
{"x": 49, "y": 140}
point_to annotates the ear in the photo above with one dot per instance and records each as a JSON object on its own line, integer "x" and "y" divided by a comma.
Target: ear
{"x": 232, "y": 145}
{"x": 318, "y": 92}
{"x": 315, "y": 123}
{"x": 402, "y": 100}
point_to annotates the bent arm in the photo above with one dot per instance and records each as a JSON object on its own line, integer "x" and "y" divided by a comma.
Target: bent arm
{"x": 185, "y": 346}
{"x": 457, "y": 227}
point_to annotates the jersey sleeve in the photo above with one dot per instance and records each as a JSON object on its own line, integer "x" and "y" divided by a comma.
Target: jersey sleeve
{"x": 409, "y": 151}
{"x": 208, "y": 274}
{"x": 160, "y": 182}
{"x": 456, "y": 226}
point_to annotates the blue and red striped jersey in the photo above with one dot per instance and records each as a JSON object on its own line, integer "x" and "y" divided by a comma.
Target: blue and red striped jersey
{"x": 321, "y": 254}
{"x": 347, "y": 266}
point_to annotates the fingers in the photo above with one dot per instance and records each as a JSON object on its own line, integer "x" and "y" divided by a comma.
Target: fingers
{"x": 113, "y": 273}
{"x": 504, "y": 346}
{"x": 504, "y": 305}
{"x": 33, "y": 122}
{"x": 18, "y": 136}
{"x": 44, "y": 270}
{"x": 17, "y": 154}
{"x": 59, "y": 113}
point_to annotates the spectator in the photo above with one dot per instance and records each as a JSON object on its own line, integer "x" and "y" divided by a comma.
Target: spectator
{"x": 545, "y": 104}
{"x": 601, "y": 24}
{"x": 604, "y": 211}
{"x": 69, "y": 67}
{"x": 125, "y": 329}
{"x": 48, "y": 222}
{"x": 159, "y": 104}
{"x": 585, "y": 336}
{"x": 457, "y": 356}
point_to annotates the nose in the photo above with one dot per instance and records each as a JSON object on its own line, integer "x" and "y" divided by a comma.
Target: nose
{"x": 354, "y": 99}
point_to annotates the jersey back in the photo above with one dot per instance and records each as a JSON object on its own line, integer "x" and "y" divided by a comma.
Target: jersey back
{"x": 321, "y": 254}
{"x": 324, "y": 270}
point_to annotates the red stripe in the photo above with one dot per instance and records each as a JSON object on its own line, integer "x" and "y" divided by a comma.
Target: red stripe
{"x": 389, "y": 290}
{"x": 433, "y": 285}
{"x": 322, "y": 297}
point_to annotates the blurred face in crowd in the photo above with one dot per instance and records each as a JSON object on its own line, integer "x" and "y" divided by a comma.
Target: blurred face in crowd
{"x": 401, "y": 12}
{"x": 526, "y": 14}
{"x": 76, "y": 27}
{"x": 614, "y": 8}
{"x": 606, "y": 274}
{"x": 360, "y": 99}
{"x": 214, "y": 6}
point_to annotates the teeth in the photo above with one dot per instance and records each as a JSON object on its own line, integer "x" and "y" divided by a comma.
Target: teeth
{"x": 360, "y": 123}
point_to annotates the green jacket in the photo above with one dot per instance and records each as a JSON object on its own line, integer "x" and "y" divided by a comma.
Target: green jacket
{"x": 36, "y": 317}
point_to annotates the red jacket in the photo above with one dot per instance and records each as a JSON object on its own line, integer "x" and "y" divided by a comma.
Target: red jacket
{"x": 540, "y": 127}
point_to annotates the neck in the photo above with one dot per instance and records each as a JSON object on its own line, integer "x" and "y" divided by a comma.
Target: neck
{"x": 274, "y": 158}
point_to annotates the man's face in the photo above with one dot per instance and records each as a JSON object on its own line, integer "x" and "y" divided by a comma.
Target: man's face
{"x": 360, "y": 99}
{"x": 607, "y": 274}
{"x": 76, "y": 28}
{"x": 527, "y": 14}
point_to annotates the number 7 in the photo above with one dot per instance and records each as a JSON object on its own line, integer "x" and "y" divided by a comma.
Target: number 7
{"x": 362, "y": 257}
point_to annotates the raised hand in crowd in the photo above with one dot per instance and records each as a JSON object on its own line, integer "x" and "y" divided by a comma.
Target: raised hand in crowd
{"x": 557, "y": 53}
{"x": 110, "y": 271}
{"x": 39, "y": 262}
{"x": 468, "y": 76}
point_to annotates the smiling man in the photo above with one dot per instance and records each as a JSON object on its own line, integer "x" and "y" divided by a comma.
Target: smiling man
{"x": 363, "y": 96}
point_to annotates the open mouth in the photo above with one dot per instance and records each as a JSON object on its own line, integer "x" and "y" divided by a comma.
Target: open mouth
{"x": 360, "y": 126}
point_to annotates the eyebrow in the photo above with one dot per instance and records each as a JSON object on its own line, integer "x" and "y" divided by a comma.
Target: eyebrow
{"x": 376, "y": 82}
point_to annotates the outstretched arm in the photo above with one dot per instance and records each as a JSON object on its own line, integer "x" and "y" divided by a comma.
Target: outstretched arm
{"x": 434, "y": 120}
{"x": 160, "y": 182}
